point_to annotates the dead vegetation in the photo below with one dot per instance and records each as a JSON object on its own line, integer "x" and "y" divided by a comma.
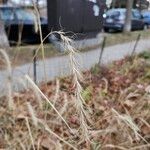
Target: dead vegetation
{"x": 105, "y": 108}
{"x": 114, "y": 110}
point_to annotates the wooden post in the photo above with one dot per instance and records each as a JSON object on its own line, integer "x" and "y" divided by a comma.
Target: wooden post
{"x": 135, "y": 45}
{"x": 34, "y": 66}
{"x": 102, "y": 50}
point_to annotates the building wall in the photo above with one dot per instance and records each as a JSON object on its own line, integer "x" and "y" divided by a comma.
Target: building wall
{"x": 75, "y": 15}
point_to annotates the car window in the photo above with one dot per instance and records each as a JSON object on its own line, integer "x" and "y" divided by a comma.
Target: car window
{"x": 24, "y": 15}
{"x": 7, "y": 14}
{"x": 136, "y": 14}
{"x": 113, "y": 14}
{"x": 146, "y": 14}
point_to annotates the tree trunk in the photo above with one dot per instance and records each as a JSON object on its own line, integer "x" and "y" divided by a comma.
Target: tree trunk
{"x": 4, "y": 43}
{"x": 127, "y": 26}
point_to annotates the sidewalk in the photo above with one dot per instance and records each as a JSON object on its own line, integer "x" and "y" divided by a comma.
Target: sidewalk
{"x": 59, "y": 66}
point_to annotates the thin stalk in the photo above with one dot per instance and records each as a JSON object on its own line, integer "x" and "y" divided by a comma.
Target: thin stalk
{"x": 48, "y": 101}
{"x": 30, "y": 133}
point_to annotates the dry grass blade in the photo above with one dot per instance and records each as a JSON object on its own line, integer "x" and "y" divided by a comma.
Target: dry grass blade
{"x": 38, "y": 98}
{"x": 21, "y": 26}
{"x": 145, "y": 122}
{"x": 140, "y": 147}
{"x": 57, "y": 91}
{"x": 30, "y": 133}
{"x": 41, "y": 35}
{"x": 64, "y": 108}
{"x": 21, "y": 144}
{"x": 54, "y": 134}
{"x": 11, "y": 104}
{"x": 115, "y": 146}
{"x": 48, "y": 101}
{"x": 130, "y": 123}
{"x": 32, "y": 113}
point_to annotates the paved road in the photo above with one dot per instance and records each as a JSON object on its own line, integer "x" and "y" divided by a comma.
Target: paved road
{"x": 59, "y": 66}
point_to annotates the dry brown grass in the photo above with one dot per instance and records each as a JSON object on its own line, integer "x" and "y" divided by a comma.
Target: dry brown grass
{"x": 109, "y": 109}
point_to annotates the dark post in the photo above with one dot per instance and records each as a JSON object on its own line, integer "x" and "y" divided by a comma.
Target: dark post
{"x": 34, "y": 66}
{"x": 136, "y": 43}
{"x": 102, "y": 50}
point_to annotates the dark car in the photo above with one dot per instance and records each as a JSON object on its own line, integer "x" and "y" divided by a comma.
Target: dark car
{"x": 146, "y": 18}
{"x": 21, "y": 25}
{"x": 114, "y": 19}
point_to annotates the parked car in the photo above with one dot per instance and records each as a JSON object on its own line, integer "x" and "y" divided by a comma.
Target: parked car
{"x": 114, "y": 19}
{"x": 21, "y": 24}
{"x": 41, "y": 3}
{"x": 146, "y": 18}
